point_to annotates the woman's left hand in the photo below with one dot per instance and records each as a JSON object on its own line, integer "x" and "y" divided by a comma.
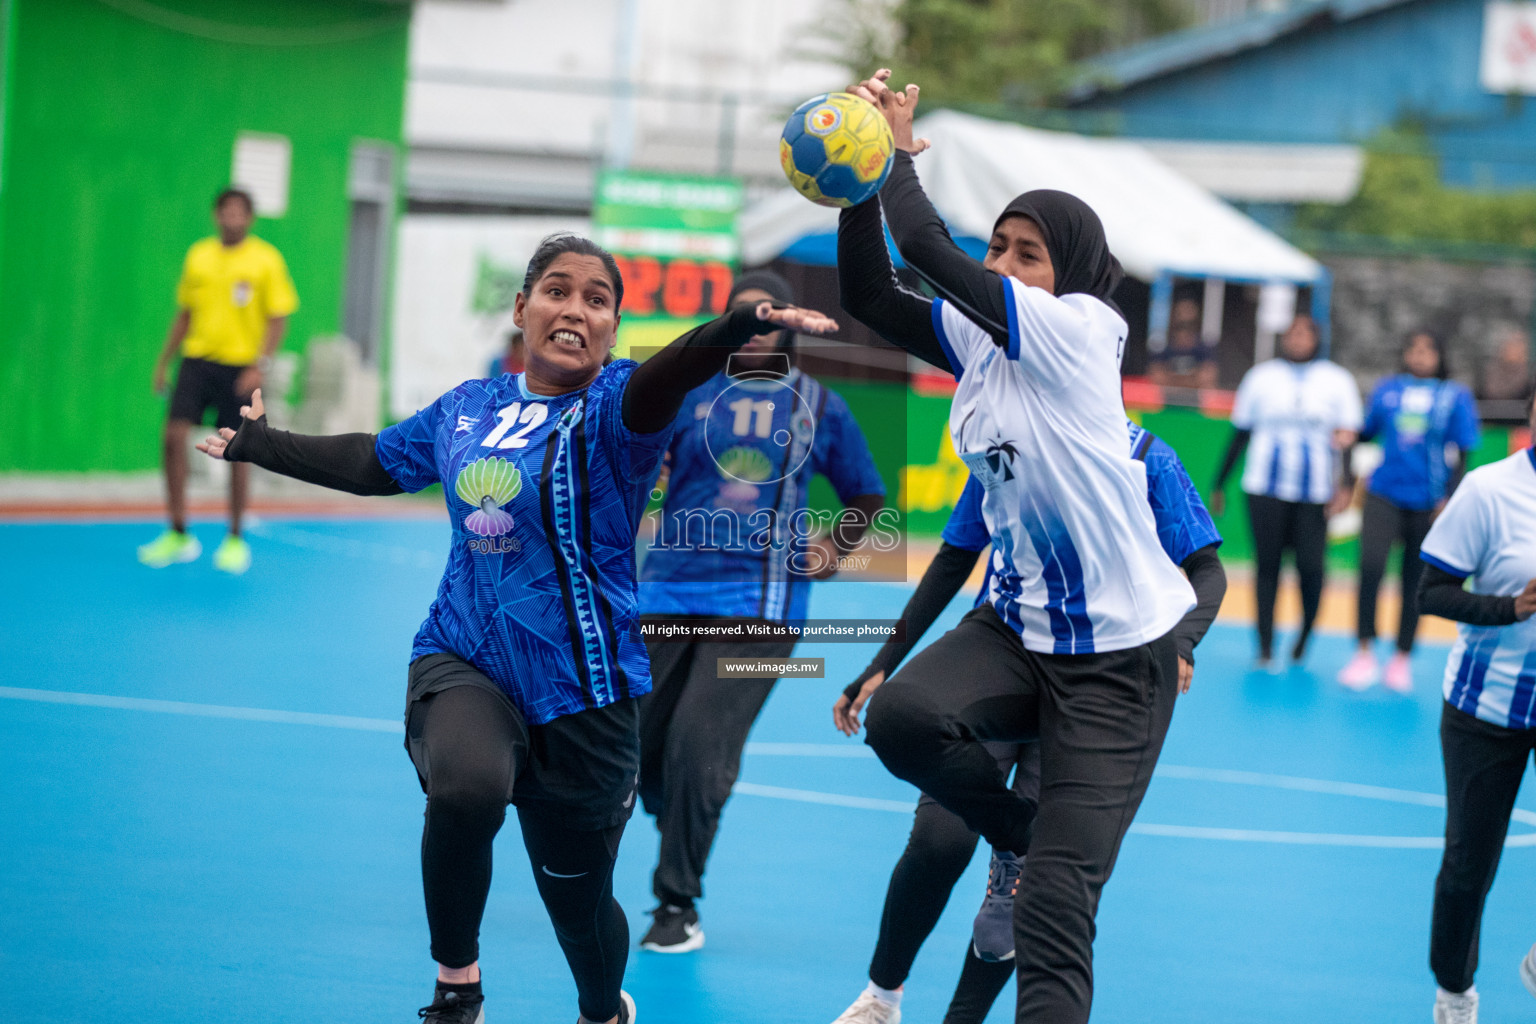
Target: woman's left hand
{"x": 1186, "y": 675}
{"x": 806, "y": 321}
{"x": 215, "y": 444}
{"x": 899, "y": 108}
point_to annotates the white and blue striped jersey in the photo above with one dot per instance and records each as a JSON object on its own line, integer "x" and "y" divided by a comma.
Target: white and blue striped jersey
{"x": 1077, "y": 567}
{"x": 1488, "y": 532}
{"x": 1293, "y": 410}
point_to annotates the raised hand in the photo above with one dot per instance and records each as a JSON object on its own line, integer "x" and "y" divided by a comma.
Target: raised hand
{"x": 899, "y": 108}
{"x": 807, "y": 321}
{"x": 215, "y": 445}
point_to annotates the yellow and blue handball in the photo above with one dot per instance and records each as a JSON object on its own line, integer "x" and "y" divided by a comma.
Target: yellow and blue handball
{"x": 836, "y": 149}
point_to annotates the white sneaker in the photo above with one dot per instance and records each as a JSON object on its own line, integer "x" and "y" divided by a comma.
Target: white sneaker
{"x": 870, "y": 1009}
{"x": 1528, "y": 971}
{"x": 1451, "y": 1008}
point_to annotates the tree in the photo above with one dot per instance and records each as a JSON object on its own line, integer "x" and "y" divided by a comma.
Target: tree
{"x": 1022, "y": 52}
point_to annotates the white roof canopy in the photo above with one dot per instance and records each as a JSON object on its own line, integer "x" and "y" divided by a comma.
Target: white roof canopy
{"x": 1157, "y": 220}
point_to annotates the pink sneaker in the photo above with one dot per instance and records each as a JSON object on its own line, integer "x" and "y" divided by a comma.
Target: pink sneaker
{"x": 1362, "y": 671}
{"x": 1399, "y": 674}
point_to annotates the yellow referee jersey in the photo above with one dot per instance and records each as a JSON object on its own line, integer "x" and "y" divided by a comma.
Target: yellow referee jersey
{"x": 231, "y": 293}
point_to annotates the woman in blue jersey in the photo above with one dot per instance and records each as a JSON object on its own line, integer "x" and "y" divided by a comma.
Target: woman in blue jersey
{"x": 1293, "y": 416}
{"x": 731, "y": 549}
{"x": 940, "y": 846}
{"x": 1425, "y": 424}
{"x": 1487, "y": 534}
{"x": 524, "y": 675}
{"x": 1075, "y": 644}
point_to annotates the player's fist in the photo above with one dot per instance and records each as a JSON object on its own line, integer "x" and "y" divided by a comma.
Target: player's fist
{"x": 1525, "y": 602}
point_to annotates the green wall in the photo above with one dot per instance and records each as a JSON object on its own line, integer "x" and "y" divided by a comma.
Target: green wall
{"x": 119, "y": 128}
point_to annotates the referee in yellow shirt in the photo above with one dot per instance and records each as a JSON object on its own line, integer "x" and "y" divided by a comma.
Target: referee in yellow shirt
{"x": 234, "y": 300}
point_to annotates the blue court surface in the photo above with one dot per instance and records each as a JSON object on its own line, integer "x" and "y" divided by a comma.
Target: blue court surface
{"x": 208, "y": 815}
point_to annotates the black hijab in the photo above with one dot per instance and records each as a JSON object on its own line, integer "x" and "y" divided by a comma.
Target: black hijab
{"x": 1074, "y": 238}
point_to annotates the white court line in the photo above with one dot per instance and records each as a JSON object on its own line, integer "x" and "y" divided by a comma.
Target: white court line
{"x": 177, "y": 707}
{"x": 837, "y": 750}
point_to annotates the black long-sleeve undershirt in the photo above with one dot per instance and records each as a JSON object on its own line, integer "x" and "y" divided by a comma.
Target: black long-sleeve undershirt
{"x": 869, "y": 291}
{"x": 926, "y": 246}
{"x": 1235, "y": 449}
{"x": 1441, "y": 593}
{"x": 952, "y": 566}
{"x": 652, "y": 398}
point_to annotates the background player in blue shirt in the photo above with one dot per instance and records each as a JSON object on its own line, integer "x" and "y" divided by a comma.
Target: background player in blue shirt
{"x": 523, "y": 676}
{"x": 1425, "y": 424}
{"x": 940, "y": 845}
{"x": 730, "y": 546}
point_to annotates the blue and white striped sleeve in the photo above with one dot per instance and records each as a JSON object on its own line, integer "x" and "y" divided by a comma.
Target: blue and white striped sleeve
{"x": 1458, "y": 540}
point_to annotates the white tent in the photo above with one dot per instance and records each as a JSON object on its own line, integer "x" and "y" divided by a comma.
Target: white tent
{"x": 1158, "y": 222}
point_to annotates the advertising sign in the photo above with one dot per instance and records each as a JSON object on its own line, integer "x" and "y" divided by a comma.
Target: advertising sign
{"x": 1509, "y": 48}
{"x": 675, "y": 240}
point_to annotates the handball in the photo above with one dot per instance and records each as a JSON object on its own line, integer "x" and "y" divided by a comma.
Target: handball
{"x": 836, "y": 149}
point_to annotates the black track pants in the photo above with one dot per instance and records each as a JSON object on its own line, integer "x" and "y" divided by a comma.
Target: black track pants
{"x": 938, "y": 851}
{"x": 1382, "y": 525}
{"x": 470, "y": 746}
{"x": 1278, "y": 526}
{"x": 1484, "y": 764}
{"x": 693, "y": 726}
{"x": 1100, "y": 719}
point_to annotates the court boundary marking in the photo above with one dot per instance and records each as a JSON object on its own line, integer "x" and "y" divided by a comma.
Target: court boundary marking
{"x": 1229, "y": 776}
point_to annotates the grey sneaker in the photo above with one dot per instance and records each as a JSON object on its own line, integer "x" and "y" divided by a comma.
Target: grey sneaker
{"x": 1455, "y": 1008}
{"x": 992, "y": 934}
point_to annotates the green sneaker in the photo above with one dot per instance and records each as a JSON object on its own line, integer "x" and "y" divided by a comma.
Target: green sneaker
{"x": 233, "y": 556}
{"x": 169, "y": 548}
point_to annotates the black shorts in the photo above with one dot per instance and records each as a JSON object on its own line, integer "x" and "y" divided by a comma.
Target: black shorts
{"x": 201, "y": 385}
{"x": 581, "y": 769}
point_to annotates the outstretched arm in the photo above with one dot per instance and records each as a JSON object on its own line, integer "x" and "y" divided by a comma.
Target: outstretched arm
{"x": 868, "y": 289}
{"x": 656, "y": 390}
{"x": 342, "y": 462}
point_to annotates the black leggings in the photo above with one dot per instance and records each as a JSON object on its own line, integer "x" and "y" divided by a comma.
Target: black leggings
{"x": 1302, "y": 527}
{"x": 937, "y": 854}
{"x": 1484, "y": 764}
{"x": 1382, "y": 525}
{"x": 472, "y": 746}
{"x": 1100, "y": 719}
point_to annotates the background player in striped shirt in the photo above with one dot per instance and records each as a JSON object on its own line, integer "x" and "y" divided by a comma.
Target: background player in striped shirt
{"x": 940, "y": 846}
{"x": 523, "y": 676}
{"x": 1075, "y": 644}
{"x": 731, "y": 546}
{"x": 1293, "y": 415}
{"x": 1487, "y": 534}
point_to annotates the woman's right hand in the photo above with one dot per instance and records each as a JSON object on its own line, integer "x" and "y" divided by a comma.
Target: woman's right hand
{"x": 1218, "y": 503}
{"x": 806, "y": 321}
{"x": 215, "y": 445}
{"x": 845, "y": 713}
{"x": 1525, "y": 602}
{"x": 899, "y": 108}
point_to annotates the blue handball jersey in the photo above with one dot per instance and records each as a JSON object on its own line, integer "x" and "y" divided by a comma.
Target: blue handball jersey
{"x": 545, "y": 495}
{"x": 742, "y": 458}
{"x": 1414, "y": 420}
{"x": 1184, "y": 525}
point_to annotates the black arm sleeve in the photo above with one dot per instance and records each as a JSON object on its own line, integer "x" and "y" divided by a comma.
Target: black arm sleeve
{"x": 946, "y": 574}
{"x": 656, "y": 390}
{"x": 342, "y": 462}
{"x": 1440, "y": 594}
{"x": 1235, "y": 449}
{"x": 1209, "y": 579}
{"x": 869, "y": 291}
{"x": 924, "y": 242}
{"x": 1457, "y": 472}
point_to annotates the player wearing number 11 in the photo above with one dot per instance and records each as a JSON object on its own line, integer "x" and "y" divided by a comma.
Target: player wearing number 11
{"x": 524, "y": 675}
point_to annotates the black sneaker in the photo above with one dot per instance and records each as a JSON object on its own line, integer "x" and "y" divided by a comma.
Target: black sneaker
{"x": 673, "y": 929}
{"x": 453, "y": 1008}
